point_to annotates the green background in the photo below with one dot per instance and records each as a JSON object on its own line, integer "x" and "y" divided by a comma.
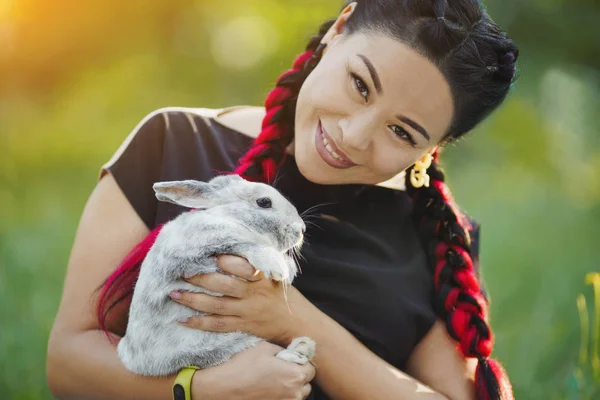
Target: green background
{"x": 77, "y": 76}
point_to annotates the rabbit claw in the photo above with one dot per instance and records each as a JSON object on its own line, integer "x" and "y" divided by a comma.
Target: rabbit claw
{"x": 277, "y": 276}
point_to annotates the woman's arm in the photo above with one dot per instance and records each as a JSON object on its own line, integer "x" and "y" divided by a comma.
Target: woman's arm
{"x": 438, "y": 363}
{"x": 81, "y": 362}
{"x": 346, "y": 369}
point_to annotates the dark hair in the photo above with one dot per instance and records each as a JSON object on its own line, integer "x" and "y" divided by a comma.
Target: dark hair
{"x": 478, "y": 61}
{"x": 474, "y": 55}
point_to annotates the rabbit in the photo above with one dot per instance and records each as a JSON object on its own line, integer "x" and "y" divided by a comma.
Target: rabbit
{"x": 230, "y": 216}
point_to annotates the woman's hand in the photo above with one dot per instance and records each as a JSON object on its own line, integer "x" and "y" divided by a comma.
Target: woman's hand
{"x": 253, "y": 304}
{"x": 254, "y": 374}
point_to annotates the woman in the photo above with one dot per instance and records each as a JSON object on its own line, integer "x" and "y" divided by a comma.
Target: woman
{"x": 389, "y": 284}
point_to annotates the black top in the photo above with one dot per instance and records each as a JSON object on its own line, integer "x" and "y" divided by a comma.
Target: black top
{"x": 367, "y": 270}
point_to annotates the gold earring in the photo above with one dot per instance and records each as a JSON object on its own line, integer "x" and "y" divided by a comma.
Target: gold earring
{"x": 418, "y": 175}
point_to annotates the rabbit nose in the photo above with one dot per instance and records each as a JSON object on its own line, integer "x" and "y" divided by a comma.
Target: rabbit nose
{"x": 301, "y": 226}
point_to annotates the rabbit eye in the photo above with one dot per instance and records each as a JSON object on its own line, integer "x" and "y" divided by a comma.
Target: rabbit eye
{"x": 264, "y": 202}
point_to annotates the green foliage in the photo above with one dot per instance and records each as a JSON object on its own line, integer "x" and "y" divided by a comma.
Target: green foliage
{"x": 80, "y": 75}
{"x": 584, "y": 382}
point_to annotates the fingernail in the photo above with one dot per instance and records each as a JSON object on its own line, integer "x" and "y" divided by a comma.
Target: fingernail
{"x": 183, "y": 320}
{"x": 175, "y": 295}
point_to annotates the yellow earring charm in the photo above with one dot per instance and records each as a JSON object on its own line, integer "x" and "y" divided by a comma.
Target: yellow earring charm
{"x": 418, "y": 175}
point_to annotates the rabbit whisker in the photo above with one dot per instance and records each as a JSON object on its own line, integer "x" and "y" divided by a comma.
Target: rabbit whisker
{"x": 284, "y": 286}
{"x": 299, "y": 255}
{"x": 313, "y": 208}
{"x": 278, "y": 177}
{"x": 310, "y": 223}
{"x": 296, "y": 261}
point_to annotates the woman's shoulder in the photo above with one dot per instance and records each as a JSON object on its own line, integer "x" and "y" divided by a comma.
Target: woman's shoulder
{"x": 244, "y": 119}
{"x": 177, "y": 128}
{"x": 173, "y": 143}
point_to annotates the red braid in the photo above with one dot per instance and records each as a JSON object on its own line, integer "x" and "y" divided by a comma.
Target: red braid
{"x": 268, "y": 150}
{"x": 460, "y": 302}
{"x": 260, "y": 163}
{"x": 119, "y": 285}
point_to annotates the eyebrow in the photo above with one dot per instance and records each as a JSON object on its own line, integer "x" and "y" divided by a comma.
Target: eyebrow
{"x": 379, "y": 89}
{"x": 415, "y": 126}
{"x": 373, "y": 73}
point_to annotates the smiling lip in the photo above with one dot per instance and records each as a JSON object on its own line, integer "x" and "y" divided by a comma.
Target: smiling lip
{"x": 326, "y": 154}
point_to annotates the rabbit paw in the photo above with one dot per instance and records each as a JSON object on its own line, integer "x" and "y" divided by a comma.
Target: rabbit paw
{"x": 275, "y": 275}
{"x": 272, "y": 263}
{"x": 300, "y": 351}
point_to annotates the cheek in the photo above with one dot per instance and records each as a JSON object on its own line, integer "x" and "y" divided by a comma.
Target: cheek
{"x": 389, "y": 161}
{"x": 325, "y": 91}
{"x": 319, "y": 97}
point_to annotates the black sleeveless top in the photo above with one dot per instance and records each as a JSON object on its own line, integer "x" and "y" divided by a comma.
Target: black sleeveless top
{"x": 365, "y": 267}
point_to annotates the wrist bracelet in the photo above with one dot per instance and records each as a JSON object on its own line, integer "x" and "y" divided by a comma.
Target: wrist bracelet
{"x": 182, "y": 387}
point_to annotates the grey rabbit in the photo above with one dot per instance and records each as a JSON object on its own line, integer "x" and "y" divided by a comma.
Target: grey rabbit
{"x": 233, "y": 216}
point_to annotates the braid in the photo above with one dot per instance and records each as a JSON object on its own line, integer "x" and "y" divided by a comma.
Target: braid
{"x": 260, "y": 163}
{"x": 459, "y": 301}
{"x": 443, "y": 228}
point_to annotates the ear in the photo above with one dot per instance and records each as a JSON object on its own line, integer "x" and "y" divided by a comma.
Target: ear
{"x": 338, "y": 26}
{"x": 188, "y": 193}
{"x": 221, "y": 181}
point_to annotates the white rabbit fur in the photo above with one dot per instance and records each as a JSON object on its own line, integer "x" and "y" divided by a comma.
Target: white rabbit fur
{"x": 229, "y": 220}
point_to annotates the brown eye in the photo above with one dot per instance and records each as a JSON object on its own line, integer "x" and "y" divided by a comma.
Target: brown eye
{"x": 402, "y": 134}
{"x": 361, "y": 87}
{"x": 264, "y": 202}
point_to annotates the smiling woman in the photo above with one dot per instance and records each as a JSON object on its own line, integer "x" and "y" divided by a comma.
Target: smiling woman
{"x": 378, "y": 118}
{"x": 389, "y": 282}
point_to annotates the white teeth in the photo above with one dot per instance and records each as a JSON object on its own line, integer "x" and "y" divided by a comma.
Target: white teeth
{"x": 330, "y": 149}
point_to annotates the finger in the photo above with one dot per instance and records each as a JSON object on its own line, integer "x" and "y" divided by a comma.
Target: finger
{"x": 219, "y": 283}
{"x": 305, "y": 391}
{"x": 269, "y": 347}
{"x": 214, "y": 323}
{"x": 310, "y": 371}
{"x": 239, "y": 267}
{"x": 207, "y": 303}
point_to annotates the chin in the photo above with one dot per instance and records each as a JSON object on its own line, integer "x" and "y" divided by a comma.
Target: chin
{"x": 313, "y": 170}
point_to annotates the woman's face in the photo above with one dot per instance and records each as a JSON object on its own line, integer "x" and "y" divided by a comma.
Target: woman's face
{"x": 374, "y": 102}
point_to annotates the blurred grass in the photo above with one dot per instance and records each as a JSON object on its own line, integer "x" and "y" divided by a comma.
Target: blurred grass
{"x": 529, "y": 174}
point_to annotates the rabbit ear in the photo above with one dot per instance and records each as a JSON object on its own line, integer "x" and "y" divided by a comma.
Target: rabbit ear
{"x": 221, "y": 181}
{"x": 188, "y": 193}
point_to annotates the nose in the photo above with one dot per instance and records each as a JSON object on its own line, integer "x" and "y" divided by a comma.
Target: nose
{"x": 357, "y": 131}
{"x": 300, "y": 226}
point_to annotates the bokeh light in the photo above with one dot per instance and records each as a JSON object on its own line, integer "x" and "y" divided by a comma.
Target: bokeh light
{"x": 243, "y": 42}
